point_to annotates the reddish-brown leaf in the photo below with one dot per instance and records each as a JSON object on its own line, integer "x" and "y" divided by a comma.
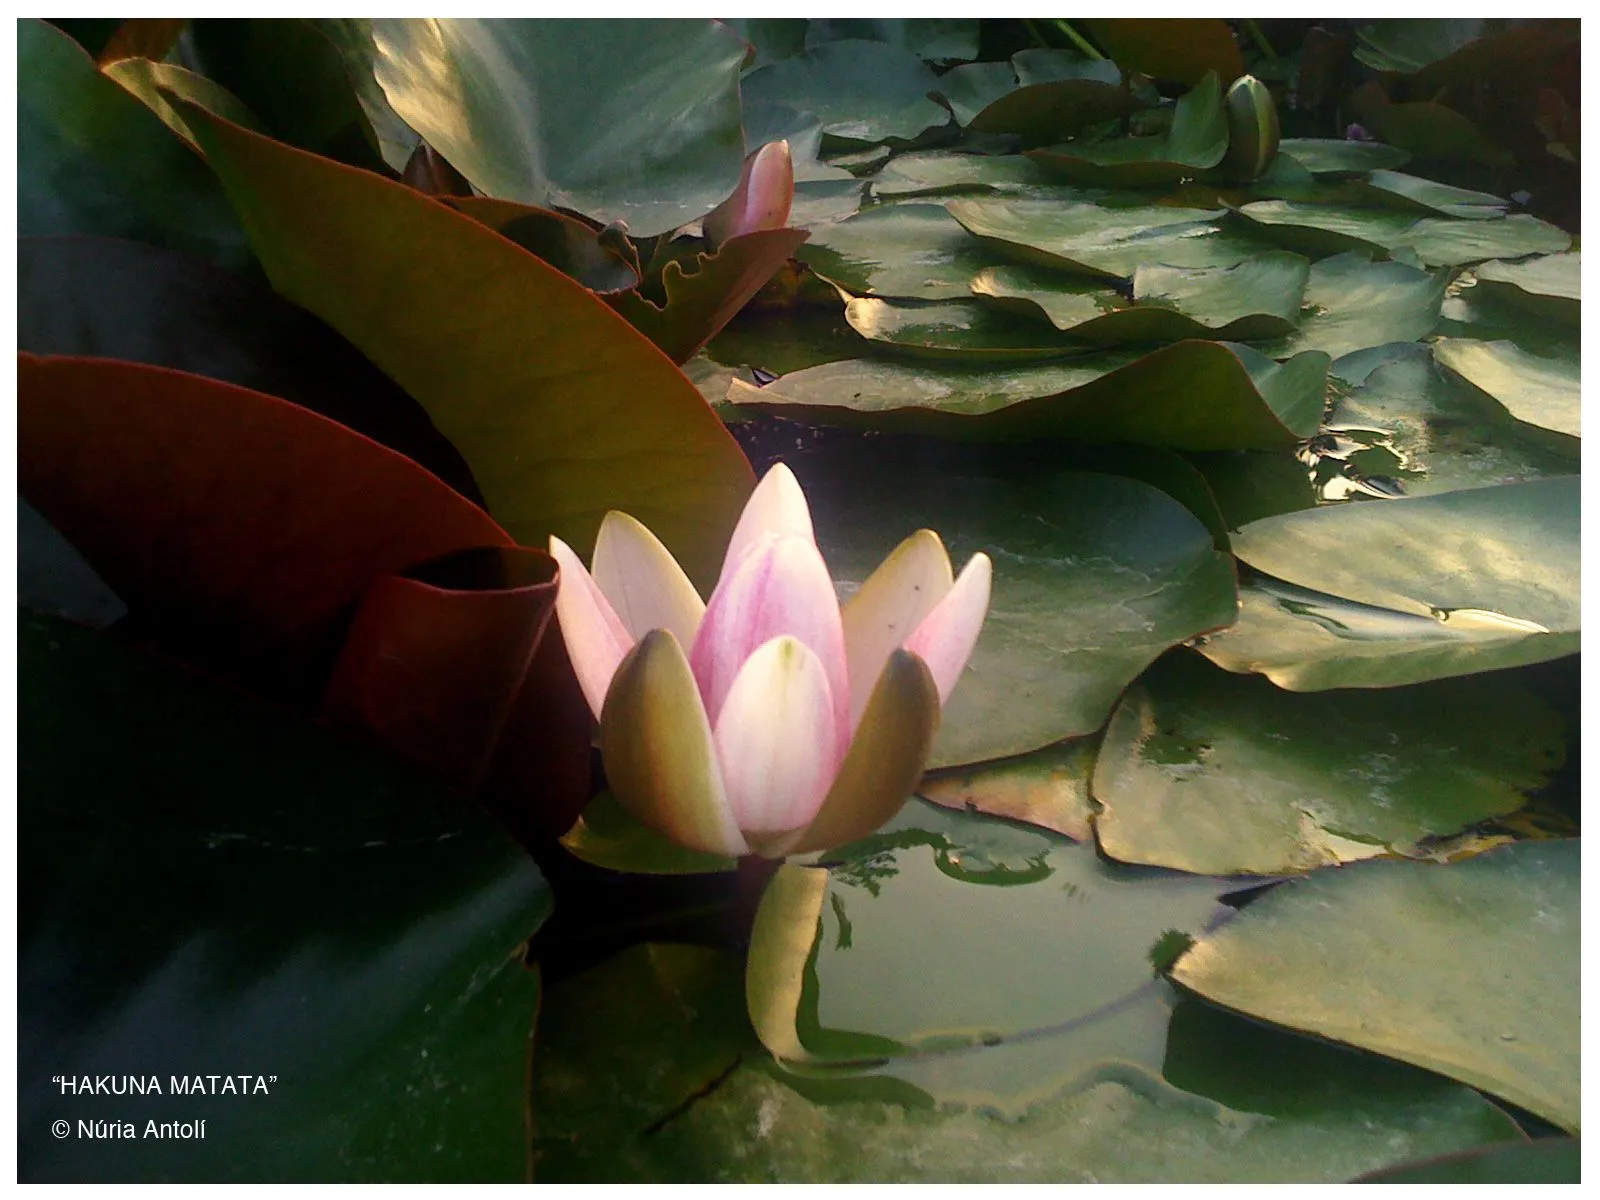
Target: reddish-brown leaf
{"x": 239, "y": 528}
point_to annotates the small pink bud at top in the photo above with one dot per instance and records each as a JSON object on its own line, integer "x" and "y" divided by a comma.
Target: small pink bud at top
{"x": 762, "y": 199}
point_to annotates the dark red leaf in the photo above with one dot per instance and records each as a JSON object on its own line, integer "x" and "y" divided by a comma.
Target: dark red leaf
{"x": 239, "y": 528}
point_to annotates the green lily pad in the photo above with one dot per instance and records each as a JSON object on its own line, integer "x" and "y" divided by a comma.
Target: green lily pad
{"x": 1439, "y": 51}
{"x": 93, "y": 158}
{"x": 1479, "y": 982}
{"x": 1258, "y": 298}
{"x": 937, "y": 39}
{"x": 1538, "y": 390}
{"x": 1436, "y": 241}
{"x": 617, "y": 119}
{"x": 780, "y": 342}
{"x": 1548, "y": 286}
{"x": 1437, "y": 131}
{"x": 326, "y": 920}
{"x": 1095, "y": 575}
{"x": 1077, "y": 94}
{"x": 1378, "y": 595}
{"x": 864, "y": 91}
{"x": 1548, "y": 1160}
{"x": 615, "y": 1100}
{"x": 1116, "y": 396}
{"x": 934, "y": 172}
{"x": 958, "y": 331}
{"x": 1353, "y": 304}
{"x": 1342, "y": 157}
{"x": 1247, "y": 485}
{"x": 1205, "y": 772}
{"x": 1100, "y": 240}
{"x": 1430, "y": 196}
{"x": 1434, "y": 434}
{"x": 1196, "y": 141}
{"x": 352, "y": 38}
{"x": 606, "y": 836}
{"x": 819, "y": 203}
{"x": 972, "y": 87}
{"x": 915, "y": 251}
{"x": 864, "y": 986}
{"x": 1048, "y": 788}
{"x": 560, "y": 407}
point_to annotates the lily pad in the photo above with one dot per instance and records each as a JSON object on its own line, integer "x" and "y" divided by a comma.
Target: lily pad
{"x": 1479, "y": 982}
{"x": 1095, "y": 575}
{"x": 1204, "y": 772}
{"x": 865, "y": 987}
{"x": 1342, "y": 157}
{"x": 958, "y": 331}
{"x": 1183, "y": 50}
{"x": 1436, "y": 241}
{"x": 606, "y": 836}
{"x": 326, "y": 921}
{"x": 93, "y": 158}
{"x": 916, "y": 251}
{"x": 934, "y": 172}
{"x": 1100, "y": 240}
{"x": 1081, "y": 93}
{"x": 1196, "y": 141}
{"x": 1248, "y": 485}
{"x": 1119, "y": 396}
{"x": 560, "y": 407}
{"x": 1048, "y": 788}
{"x": 864, "y": 91}
{"x": 1430, "y": 196}
{"x": 1538, "y": 390}
{"x": 1436, "y": 131}
{"x": 1258, "y": 298}
{"x": 618, "y": 1101}
{"x": 617, "y": 119}
{"x": 937, "y": 39}
{"x": 1440, "y": 52}
{"x": 1548, "y": 1160}
{"x": 1549, "y": 286}
{"x": 1434, "y": 434}
{"x": 1353, "y": 303}
{"x": 1378, "y": 595}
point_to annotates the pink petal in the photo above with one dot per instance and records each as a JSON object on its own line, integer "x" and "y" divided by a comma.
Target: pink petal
{"x": 761, "y": 200}
{"x": 947, "y": 635}
{"x": 639, "y": 576}
{"x": 595, "y": 637}
{"x": 777, "y": 739}
{"x": 780, "y": 586}
{"x": 776, "y": 506}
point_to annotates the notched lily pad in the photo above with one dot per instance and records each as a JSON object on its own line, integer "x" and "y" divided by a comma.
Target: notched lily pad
{"x": 1479, "y": 982}
{"x": 1205, "y": 772}
{"x": 1548, "y": 286}
{"x": 1048, "y": 788}
{"x": 1338, "y": 157}
{"x": 1538, "y": 390}
{"x": 1192, "y": 395}
{"x": 1196, "y": 141}
{"x": 1377, "y": 595}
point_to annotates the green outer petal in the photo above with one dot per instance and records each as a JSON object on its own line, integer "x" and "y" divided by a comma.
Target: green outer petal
{"x": 885, "y": 761}
{"x": 781, "y": 941}
{"x": 889, "y": 606}
{"x": 659, "y": 757}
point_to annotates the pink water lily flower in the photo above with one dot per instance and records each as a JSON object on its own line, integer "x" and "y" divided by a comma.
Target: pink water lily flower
{"x": 771, "y": 719}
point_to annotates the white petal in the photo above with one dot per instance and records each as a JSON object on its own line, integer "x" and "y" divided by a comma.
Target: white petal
{"x": 946, "y": 636}
{"x": 777, "y": 739}
{"x": 781, "y": 586}
{"x": 596, "y": 639}
{"x": 777, "y": 506}
{"x": 889, "y": 606}
{"x": 643, "y": 581}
